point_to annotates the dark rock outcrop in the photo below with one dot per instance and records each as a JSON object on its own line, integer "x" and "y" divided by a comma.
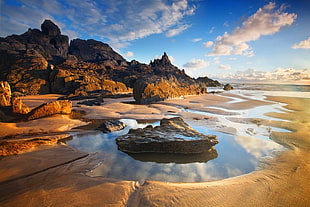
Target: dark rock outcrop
{"x": 111, "y": 126}
{"x": 92, "y": 102}
{"x": 95, "y": 51}
{"x": 228, "y": 87}
{"x": 51, "y": 108}
{"x": 208, "y": 82}
{"x": 49, "y": 42}
{"x": 172, "y": 136}
{"x": 42, "y": 61}
{"x": 49, "y": 28}
{"x": 25, "y": 58}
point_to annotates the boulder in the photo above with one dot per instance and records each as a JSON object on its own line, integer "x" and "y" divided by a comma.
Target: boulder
{"x": 18, "y": 107}
{"x": 228, "y": 87}
{"x": 172, "y": 136}
{"x": 5, "y": 94}
{"x": 51, "y": 108}
{"x": 146, "y": 91}
{"x": 111, "y": 126}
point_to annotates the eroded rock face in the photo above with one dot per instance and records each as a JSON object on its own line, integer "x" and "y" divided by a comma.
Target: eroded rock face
{"x": 42, "y": 61}
{"x": 111, "y": 126}
{"x": 18, "y": 107}
{"x": 172, "y": 136}
{"x": 146, "y": 91}
{"x": 5, "y": 93}
{"x": 51, "y": 108}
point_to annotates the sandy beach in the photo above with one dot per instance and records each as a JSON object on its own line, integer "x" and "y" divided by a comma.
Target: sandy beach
{"x": 57, "y": 176}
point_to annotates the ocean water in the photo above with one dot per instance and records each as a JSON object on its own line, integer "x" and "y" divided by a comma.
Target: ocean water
{"x": 234, "y": 155}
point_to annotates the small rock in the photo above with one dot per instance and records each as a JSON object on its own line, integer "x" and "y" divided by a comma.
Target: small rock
{"x": 228, "y": 87}
{"x": 111, "y": 126}
{"x": 94, "y": 102}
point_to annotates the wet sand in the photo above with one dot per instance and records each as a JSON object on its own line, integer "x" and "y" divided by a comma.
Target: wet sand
{"x": 57, "y": 174}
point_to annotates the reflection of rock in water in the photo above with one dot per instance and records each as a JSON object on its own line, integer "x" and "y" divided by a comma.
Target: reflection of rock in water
{"x": 175, "y": 158}
{"x": 172, "y": 136}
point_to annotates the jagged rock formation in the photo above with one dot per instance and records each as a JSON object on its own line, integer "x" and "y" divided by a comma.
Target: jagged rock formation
{"x": 172, "y": 136}
{"x": 48, "y": 42}
{"x": 42, "y": 61}
{"x": 168, "y": 82}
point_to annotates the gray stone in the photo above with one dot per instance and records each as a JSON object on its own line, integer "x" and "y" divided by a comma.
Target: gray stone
{"x": 111, "y": 126}
{"x": 172, "y": 136}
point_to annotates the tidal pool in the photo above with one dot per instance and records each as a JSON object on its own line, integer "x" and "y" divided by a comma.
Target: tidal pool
{"x": 234, "y": 155}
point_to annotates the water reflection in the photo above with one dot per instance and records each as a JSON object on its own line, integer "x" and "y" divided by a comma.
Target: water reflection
{"x": 175, "y": 158}
{"x": 233, "y": 156}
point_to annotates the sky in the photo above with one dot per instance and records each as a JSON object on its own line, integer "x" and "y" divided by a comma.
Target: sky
{"x": 231, "y": 41}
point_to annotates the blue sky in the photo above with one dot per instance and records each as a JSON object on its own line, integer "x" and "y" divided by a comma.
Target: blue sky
{"x": 254, "y": 40}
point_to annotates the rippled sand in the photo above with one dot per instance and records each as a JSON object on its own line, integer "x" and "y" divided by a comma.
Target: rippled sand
{"x": 57, "y": 173}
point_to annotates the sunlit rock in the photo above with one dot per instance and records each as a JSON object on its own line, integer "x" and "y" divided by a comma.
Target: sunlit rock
{"x": 18, "y": 107}
{"x": 51, "y": 108}
{"x": 5, "y": 93}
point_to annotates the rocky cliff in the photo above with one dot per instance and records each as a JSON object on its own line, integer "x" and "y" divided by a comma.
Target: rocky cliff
{"x": 43, "y": 61}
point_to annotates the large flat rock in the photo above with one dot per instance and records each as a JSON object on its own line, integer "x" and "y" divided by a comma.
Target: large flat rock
{"x": 172, "y": 136}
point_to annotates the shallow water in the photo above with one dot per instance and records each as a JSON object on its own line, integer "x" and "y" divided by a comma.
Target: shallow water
{"x": 234, "y": 155}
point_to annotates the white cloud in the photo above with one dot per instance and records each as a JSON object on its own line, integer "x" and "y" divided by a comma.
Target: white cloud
{"x": 280, "y": 75}
{"x": 176, "y": 31}
{"x": 225, "y": 67}
{"x": 302, "y": 44}
{"x": 208, "y": 44}
{"x": 117, "y": 22}
{"x": 171, "y": 58}
{"x": 129, "y": 54}
{"x": 196, "y": 39}
{"x": 196, "y": 64}
{"x": 216, "y": 60}
{"x": 266, "y": 21}
{"x": 211, "y": 30}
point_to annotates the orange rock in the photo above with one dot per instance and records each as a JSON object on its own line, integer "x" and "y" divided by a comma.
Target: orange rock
{"x": 5, "y": 94}
{"x": 51, "y": 108}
